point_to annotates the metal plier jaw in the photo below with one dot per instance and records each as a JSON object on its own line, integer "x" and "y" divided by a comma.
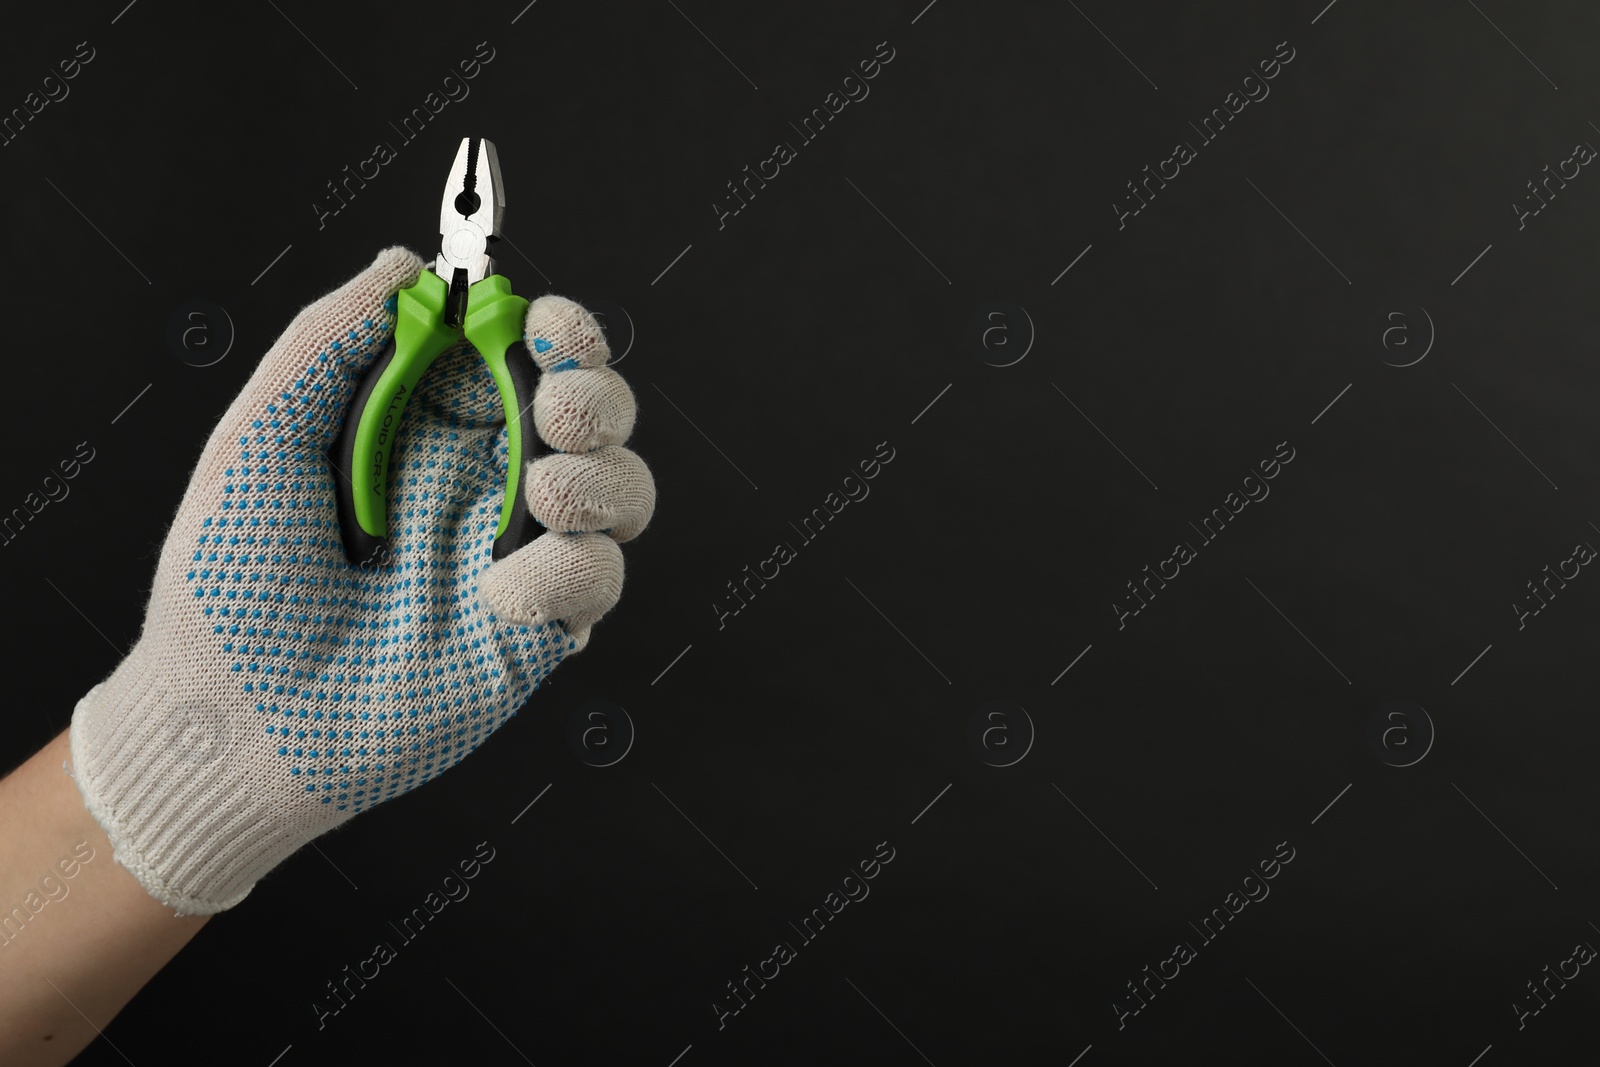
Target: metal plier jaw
{"x": 470, "y": 216}
{"x": 460, "y": 297}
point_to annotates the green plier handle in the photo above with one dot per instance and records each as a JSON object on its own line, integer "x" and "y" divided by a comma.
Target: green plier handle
{"x": 363, "y": 457}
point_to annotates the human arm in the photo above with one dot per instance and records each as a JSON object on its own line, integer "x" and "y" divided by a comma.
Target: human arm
{"x": 78, "y": 935}
{"x": 277, "y": 689}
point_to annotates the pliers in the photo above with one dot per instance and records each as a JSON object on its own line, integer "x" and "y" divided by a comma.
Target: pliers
{"x": 461, "y": 296}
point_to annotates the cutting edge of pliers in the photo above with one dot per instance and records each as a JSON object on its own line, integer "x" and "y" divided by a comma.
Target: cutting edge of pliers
{"x": 470, "y": 215}
{"x": 460, "y": 296}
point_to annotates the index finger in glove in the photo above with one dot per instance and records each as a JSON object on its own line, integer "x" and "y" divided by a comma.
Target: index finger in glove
{"x": 591, "y": 494}
{"x": 585, "y": 411}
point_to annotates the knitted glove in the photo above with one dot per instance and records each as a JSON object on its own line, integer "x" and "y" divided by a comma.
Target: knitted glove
{"x": 276, "y": 690}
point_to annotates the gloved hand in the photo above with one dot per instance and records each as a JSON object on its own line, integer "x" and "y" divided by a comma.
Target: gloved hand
{"x": 276, "y": 690}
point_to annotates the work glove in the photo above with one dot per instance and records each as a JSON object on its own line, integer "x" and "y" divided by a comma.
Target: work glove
{"x": 277, "y": 689}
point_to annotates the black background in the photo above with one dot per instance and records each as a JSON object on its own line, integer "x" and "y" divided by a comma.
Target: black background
{"x": 797, "y": 338}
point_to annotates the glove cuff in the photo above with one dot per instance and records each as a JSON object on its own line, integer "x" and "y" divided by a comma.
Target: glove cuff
{"x": 169, "y": 786}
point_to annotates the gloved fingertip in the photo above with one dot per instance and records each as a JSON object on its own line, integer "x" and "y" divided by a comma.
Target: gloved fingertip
{"x": 573, "y": 579}
{"x": 562, "y": 335}
{"x": 610, "y": 489}
{"x": 585, "y": 410}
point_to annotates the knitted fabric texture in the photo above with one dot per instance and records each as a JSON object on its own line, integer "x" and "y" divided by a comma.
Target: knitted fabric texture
{"x": 582, "y": 410}
{"x": 276, "y": 690}
{"x": 583, "y": 578}
{"x": 608, "y": 489}
{"x": 563, "y": 336}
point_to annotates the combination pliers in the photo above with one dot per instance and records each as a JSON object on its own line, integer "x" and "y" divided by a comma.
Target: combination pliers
{"x": 461, "y": 296}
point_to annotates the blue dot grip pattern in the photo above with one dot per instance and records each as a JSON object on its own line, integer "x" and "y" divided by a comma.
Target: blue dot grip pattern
{"x": 368, "y": 682}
